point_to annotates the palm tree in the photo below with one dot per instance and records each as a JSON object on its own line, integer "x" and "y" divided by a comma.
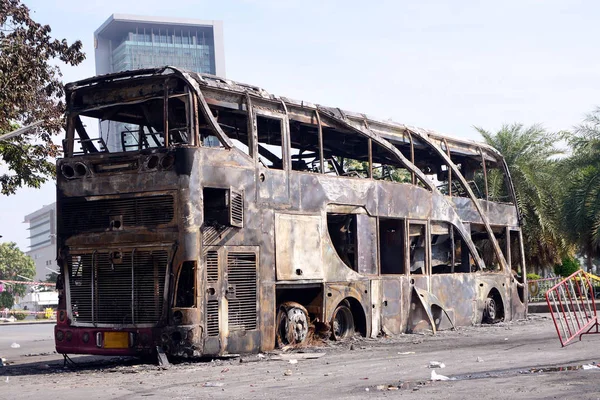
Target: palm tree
{"x": 530, "y": 155}
{"x": 581, "y": 208}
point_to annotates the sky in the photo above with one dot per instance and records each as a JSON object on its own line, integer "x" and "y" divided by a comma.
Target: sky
{"x": 441, "y": 65}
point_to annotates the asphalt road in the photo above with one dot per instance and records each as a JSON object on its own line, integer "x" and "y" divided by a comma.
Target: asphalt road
{"x": 33, "y": 339}
{"x": 518, "y": 360}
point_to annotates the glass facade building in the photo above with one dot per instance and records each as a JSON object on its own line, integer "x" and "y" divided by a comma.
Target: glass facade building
{"x": 189, "y": 49}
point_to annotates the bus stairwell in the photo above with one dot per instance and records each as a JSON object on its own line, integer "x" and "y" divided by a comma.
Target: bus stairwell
{"x": 572, "y": 306}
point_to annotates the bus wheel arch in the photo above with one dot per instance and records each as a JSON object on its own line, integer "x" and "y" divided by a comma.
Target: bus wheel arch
{"x": 292, "y": 323}
{"x": 348, "y": 318}
{"x": 493, "y": 308}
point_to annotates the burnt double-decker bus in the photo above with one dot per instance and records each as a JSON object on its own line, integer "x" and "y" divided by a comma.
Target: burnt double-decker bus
{"x": 200, "y": 216}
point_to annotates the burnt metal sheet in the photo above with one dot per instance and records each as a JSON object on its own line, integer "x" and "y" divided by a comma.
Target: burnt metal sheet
{"x": 298, "y": 244}
{"x": 433, "y": 308}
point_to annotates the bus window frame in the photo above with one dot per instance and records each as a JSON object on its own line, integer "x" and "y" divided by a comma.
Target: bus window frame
{"x": 284, "y": 128}
{"x": 426, "y": 246}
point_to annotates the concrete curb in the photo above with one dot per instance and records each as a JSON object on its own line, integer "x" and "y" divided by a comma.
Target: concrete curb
{"x": 28, "y": 323}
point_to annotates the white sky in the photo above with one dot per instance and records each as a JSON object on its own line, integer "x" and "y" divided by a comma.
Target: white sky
{"x": 442, "y": 65}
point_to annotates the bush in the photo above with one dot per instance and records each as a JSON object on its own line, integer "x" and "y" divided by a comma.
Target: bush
{"x": 40, "y": 316}
{"x": 533, "y": 277}
{"x": 19, "y": 315}
{"x": 569, "y": 266}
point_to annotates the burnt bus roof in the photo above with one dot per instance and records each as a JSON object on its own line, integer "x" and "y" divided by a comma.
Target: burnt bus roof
{"x": 385, "y": 128}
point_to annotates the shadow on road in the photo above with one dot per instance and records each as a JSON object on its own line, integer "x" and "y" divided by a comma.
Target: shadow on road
{"x": 78, "y": 365}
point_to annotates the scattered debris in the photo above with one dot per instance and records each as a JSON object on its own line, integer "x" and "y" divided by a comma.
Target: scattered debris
{"x": 436, "y": 364}
{"x": 287, "y": 372}
{"x": 404, "y": 353}
{"x": 297, "y": 356}
{"x": 260, "y": 355}
{"x": 293, "y": 361}
{"x": 212, "y": 384}
{"x": 479, "y": 359}
{"x": 225, "y": 370}
{"x": 438, "y": 377}
{"x": 366, "y": 389}
{"x": 163, "y": 361}
{"x": 15, "y": 345}
{"x": 590, "y": 366}
{"x": 7, "y": 379}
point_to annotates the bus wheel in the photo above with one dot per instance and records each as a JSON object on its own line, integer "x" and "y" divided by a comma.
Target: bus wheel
{"x": 292, "y": 324}
{"x": 342, "y": 323}
{"x": 490, "y": 311}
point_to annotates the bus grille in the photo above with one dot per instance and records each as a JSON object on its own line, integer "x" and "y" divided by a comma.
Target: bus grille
{"x": 82, "y": 215}
{"x": 117, "y": 288}
{"x": 212, "y": 317}
{"x": 241, "y": 274}
{"x": 212, "y": 266}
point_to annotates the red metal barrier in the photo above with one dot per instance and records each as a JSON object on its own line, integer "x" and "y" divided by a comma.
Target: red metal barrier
{"x": 571, "y": 303}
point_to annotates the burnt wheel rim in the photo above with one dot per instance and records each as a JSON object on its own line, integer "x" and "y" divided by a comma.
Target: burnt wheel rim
{"x": 490, "y": 309}
{"x": 342, "y": 323}
{"x": 292, "y": 325}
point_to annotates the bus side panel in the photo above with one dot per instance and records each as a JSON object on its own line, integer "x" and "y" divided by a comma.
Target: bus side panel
{"x": 457, "y": 295}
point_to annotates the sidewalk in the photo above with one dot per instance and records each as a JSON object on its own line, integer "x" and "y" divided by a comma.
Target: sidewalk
{"x": 542, "y": 307}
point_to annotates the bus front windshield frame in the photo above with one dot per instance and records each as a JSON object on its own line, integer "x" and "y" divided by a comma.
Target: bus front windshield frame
{"x": 101, "y": 122}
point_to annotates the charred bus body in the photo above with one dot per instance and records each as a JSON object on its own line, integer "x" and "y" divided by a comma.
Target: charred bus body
{"x": 232, "y": 220}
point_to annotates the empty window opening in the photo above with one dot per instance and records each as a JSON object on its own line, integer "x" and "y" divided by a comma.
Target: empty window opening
{"x": 391, "y": 246}
{"x": 417, "y": 245}
{"x": 463, "y": 261}
{"x": 342, "y": 231}
{"x": 304, "y": 143}
{"x": 223, "y": 207}
{"x": 208, "y": 138}
{"x": 497, "y": 183}
{"x": 234, "y": 124}
{"x": 485, "y": 248}
{"x": 516, "y": 264}
{"x": 515, "y": 252}
{"x": 386, "y": 166}
{"x": 270, "y": 142}
{"x": 441, "y": 248}
{"x": 346, "y": 153}
{"x": 186, "y": 285}
{"x": 449, "y": 251}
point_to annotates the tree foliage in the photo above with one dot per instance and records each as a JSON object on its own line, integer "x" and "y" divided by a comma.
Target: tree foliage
{"x": 13, "y": 262}
{"x": 530, "y": 156}
{"x": 581, "y": 203}
{"x": 30, "y": 90}
{"x": 568, "y": 266}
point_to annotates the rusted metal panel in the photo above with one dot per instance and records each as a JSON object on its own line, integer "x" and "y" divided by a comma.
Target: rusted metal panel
{"x": 298, "y": 244}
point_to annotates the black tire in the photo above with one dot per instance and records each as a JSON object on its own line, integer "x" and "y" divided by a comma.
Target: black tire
{"x": 342, "y": 323}
{"x": 490, "y": 312}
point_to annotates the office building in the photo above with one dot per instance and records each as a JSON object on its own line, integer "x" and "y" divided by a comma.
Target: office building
{"x": 126, "y": 42}
{"x": 42, "y": 240}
